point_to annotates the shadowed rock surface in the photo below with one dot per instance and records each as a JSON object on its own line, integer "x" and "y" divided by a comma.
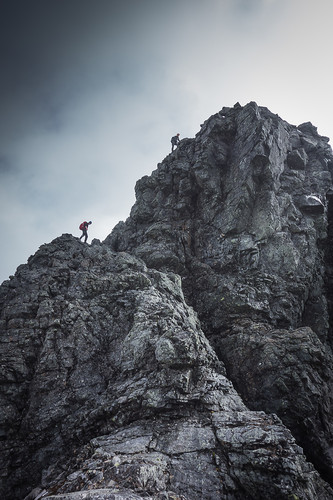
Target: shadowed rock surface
{"x": 190, "y": 354}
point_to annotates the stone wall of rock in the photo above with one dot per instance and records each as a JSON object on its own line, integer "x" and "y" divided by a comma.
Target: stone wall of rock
{"x": 109, "y": 384}
{"x": 190, "y": 354}
{"x": 242, "y": 208}
{"x": 243, "y": 212}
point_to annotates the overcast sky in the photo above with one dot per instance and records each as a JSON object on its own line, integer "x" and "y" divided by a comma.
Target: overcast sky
{"x": 92, "y": 90}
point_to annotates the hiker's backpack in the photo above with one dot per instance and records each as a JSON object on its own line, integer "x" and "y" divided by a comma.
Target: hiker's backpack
{"x": 81, "y": 226}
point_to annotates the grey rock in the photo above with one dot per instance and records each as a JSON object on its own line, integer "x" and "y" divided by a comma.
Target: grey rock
{"x": 111, "y": 390}
{"x": 243, "y": 213}
{"x": 227, "y": 205}
{"x": 287, "y": 373}
{"x": 297, "y": 159}
{"x": 190, "y": 354}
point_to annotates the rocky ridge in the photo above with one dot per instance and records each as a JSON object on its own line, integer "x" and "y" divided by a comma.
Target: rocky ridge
{"x": 190, "y": 354}
{"x": 243, "y": 213}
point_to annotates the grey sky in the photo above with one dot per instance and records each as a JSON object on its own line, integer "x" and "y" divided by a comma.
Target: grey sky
{"x": 92, "y": 90}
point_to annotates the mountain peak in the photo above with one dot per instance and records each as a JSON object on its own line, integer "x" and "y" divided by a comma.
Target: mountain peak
{"x": 189, "y": 355}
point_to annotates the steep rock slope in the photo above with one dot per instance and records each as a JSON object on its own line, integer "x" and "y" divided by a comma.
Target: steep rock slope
{"x": 153, "y": 365}
{"x": 110, "y": 390}
{"x": 243, "y": 213}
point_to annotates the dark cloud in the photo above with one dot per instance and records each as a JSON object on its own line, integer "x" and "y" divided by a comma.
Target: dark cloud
{"x": 52, "y": 51}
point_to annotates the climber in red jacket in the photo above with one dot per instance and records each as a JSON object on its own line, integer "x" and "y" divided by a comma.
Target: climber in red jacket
{"x": 84, "y": 228}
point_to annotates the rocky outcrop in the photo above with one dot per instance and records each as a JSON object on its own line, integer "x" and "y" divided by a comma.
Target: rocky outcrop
{"x": 243, "y": 213}
{"x": 190, "y": 354}
{"x": 233, "y": 212}
{"x": 98, "y": 347}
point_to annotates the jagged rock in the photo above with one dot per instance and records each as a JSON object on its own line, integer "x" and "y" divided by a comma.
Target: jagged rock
{"x": 288, "y": 373}
{"x": 227, "y": 204}
{"x": 95, "y": 344}
{"x": 241, "y": 213}
{"x": 190, "y": 354}
{"x": 297, "y": 159}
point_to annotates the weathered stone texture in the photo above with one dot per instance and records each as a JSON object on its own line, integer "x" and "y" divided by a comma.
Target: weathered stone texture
{"x": 243, "y": 213}
{"x": 228, "y": 209}
{"x": 189, "y": 356}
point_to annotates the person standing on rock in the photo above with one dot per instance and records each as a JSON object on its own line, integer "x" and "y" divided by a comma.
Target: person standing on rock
{"x": 84, "y": 228}
{"x": 174, "y": 141}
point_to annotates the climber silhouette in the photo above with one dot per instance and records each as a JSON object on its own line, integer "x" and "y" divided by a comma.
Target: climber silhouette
{"x": 84, "y": 228}
{"x": 174, "y": 141}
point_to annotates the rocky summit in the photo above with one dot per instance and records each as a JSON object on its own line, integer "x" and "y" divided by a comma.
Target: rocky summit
{"x": 189, "y": 355}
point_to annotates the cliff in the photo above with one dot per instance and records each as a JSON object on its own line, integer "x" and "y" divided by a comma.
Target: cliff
{"x": 189, "y": 355}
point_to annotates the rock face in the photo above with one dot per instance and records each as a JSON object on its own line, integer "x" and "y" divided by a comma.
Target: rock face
{"x": 190, "y": 354}
{"x": 243, "y": 213}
